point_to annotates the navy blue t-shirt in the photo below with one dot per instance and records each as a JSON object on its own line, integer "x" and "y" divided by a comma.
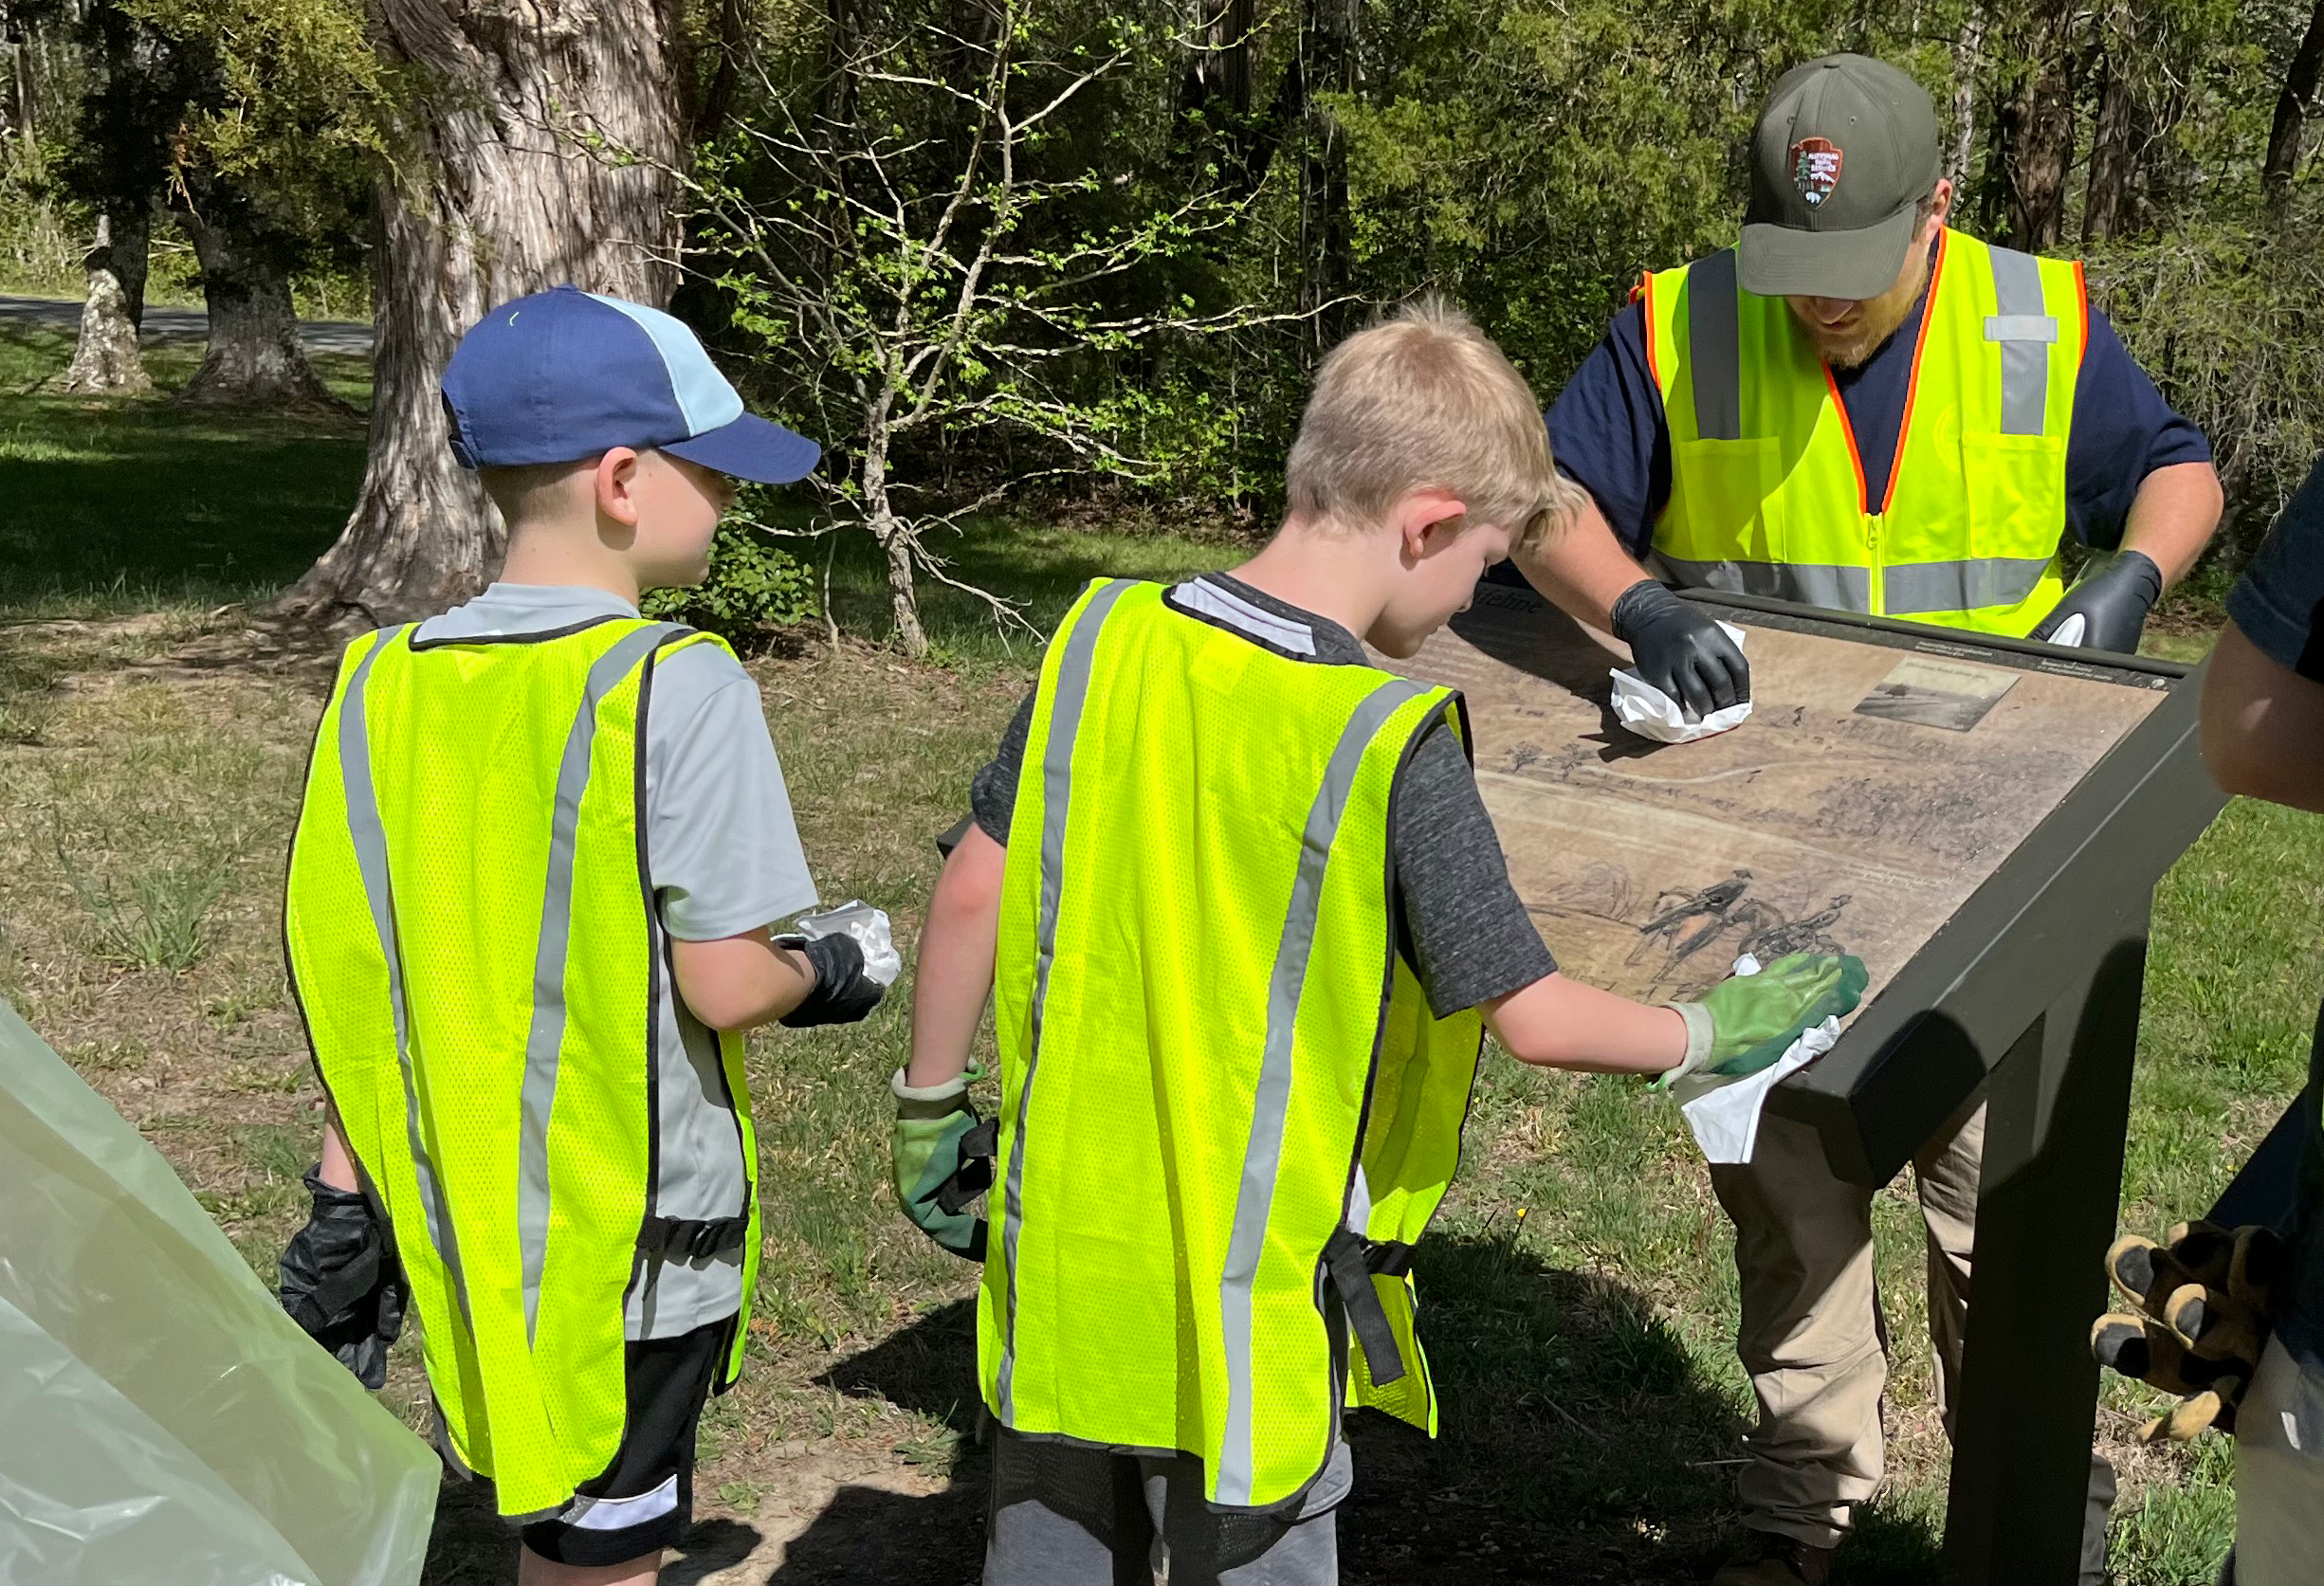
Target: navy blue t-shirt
{"x": 2279, "y": 607}
{"x": 1609, "y": 435}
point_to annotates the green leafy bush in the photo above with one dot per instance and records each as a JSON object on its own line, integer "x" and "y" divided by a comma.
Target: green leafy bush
{"x": 752, "y": 585}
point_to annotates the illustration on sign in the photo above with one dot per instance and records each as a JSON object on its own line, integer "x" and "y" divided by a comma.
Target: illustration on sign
{"x": 1824, "y": 824}
{"x": 1937, "y": 693}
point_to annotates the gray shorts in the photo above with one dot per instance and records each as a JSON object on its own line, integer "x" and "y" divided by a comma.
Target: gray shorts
{"x": 1067, "y": 1515}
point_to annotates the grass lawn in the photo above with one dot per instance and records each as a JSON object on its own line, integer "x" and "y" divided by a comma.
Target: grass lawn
{"x": 1581, "y": 1294}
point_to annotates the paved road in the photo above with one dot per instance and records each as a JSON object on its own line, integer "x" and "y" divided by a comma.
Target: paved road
{"x": 321, "y": 336}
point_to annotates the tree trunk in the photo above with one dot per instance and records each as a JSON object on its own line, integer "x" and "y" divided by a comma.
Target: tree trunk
{"x": 254, "y": 355}
{"x": 1968, "y": 49}
{"x": 105, "y": 360}
{"x": 2037, "y": 126}
{"x": 1217, "y": 81}
{"x": 2300, "y": 86}
{"x": 1330, "y": 45}
{"x": 2109, "y": 205}
{"x": 492, "y": 198}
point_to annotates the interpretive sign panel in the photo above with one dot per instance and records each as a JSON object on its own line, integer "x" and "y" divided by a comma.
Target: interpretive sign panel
{"x": 1871, "y": 793}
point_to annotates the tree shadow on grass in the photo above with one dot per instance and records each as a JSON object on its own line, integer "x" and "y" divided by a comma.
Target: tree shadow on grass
{"x": 1579, "y": 1444}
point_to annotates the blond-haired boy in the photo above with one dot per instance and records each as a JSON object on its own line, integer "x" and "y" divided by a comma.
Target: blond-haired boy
{"x": 1246, "y": 921}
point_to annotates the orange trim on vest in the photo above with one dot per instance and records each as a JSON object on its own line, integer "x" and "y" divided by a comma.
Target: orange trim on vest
{"x": 1847, "y": 430}
{"x": 1911, "y": 389}
{"x": 2081, "y": 290}
{"x": 1643, "y": 293}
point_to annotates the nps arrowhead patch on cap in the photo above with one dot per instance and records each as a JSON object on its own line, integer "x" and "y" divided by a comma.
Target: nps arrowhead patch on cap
{"x": 1814, "y": 169}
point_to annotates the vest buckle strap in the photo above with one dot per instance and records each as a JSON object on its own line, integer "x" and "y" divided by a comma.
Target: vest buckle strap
{"x": 1348, "y": 1258}
{"x": 692, "y": 1238}
{"x": 973, "y": 1176}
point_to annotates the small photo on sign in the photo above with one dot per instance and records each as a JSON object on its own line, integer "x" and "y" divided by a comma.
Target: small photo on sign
{"x": 1937, "y": 693}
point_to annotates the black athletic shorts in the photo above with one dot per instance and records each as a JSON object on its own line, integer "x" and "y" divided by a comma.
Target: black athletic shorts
{"x": 645, "y": 1499}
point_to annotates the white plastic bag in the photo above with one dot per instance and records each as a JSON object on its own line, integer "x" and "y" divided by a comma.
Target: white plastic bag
{"x": 1650, "y": 713}
{"x": 161, "y": 1420}
{"x": 869, "y": 929}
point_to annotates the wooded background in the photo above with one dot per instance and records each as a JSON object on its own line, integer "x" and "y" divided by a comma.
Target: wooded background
{"x": 1035, "y": 256}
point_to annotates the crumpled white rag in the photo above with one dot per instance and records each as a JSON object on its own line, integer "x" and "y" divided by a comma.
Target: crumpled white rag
{"x": 1723, "y": 1112}
{"x": 1650, "y": 713}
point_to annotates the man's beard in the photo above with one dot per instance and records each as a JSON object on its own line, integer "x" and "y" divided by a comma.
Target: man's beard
{"x": 1875, "y": 321}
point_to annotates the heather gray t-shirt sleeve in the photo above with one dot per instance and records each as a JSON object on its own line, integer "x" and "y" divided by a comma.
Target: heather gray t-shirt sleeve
{"x": 723, "y": 854}
{"x": 992, "y": 796}
{"x": 1468, "y": 935}
{"x": 1466, "y": 932}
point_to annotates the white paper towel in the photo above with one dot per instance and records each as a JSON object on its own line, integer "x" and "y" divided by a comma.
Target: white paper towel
{"x": 1650, "y": 713}
{"x": 868, "y": 926}
{"x": 1723, "y": 1112}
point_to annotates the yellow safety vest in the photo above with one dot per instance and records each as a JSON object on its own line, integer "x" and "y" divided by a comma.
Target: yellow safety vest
{"x": 1767, "y": 491}
{"x": 474, "y": 945}
{"x": 1227, "y": 1112}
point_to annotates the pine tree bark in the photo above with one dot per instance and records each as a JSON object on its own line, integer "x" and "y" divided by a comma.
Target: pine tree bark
{"x": 2292, "y": 107}
{"x": 254, "y": 356}
{"x": 498, "y": 192}
{"x": 1217, "y": 83}
{"x": 2110, "y": 206}
{"x": 107, "y": 360}
{"x": 2036, "y": 130}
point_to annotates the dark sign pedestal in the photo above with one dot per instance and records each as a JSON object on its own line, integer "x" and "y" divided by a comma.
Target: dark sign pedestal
{"x": 1983, "y": 822}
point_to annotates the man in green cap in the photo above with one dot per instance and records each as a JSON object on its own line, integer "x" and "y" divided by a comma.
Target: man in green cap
{"x": 1858, "y": 408}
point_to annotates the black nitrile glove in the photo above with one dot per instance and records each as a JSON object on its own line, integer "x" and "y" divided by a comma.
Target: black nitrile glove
{"x": 1679, "y": 649}
{"x": 2203, "y": 1299}
{"x": 340, "y": 1282}
{"x": 2113, "y": 597}
{"x": 843, "y": 993}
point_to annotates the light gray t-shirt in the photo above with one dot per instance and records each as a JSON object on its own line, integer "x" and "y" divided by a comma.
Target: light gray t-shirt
{"x": 723, "y": 857}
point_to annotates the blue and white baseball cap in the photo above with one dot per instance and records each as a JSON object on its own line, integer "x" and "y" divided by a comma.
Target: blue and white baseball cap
{"x": 565, "y": 375}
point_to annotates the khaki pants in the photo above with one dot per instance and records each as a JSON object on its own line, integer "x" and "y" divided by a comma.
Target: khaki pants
{"x": 2279, "y": 1475}
{"x": 1812, "y": 1338}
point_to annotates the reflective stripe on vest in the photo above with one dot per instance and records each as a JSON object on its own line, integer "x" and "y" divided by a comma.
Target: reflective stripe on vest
{"x": 1223, "y": 1096}
{"x": 1768, "y": 492}
{"x": 473, "y": 939}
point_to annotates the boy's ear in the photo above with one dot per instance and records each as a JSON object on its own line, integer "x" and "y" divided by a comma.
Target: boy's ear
{"x": 613, "y": 482}
{"x": 1419, "y": 512}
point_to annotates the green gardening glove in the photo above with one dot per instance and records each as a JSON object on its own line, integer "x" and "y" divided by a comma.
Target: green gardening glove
{"x": 1747, "y": 1022}
{"x": 943, "y": 1161}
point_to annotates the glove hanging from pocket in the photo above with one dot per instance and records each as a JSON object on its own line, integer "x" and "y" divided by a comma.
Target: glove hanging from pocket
{"x": 2202, "y": 1319}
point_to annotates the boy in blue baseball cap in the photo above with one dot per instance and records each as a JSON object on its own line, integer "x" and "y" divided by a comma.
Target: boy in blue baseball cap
{"x": 530, "y": 901}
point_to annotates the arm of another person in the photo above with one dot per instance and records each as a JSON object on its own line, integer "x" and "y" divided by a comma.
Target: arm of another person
{"x": 2140, "y": 490}
{"x": 1607, "y": 432}
{"x": 2173, "y": 516}
{"x": 2262, "y": 726}
{"x": 1585, "y": 570}
{"x": 954, "y": 974}
{"x": 2264, "y": 690}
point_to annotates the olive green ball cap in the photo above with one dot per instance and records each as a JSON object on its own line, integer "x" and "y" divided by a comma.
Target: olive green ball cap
{"x": 1840, "y": 159}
